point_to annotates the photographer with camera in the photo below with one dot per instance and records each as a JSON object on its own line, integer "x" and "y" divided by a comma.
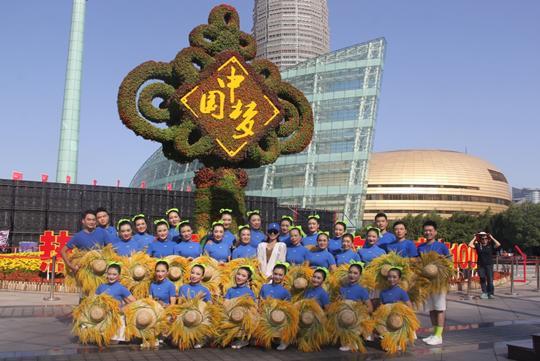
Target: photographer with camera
{"x": 485, "y": 245}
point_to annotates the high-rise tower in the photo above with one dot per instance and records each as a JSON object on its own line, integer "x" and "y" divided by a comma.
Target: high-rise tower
{"x": 291, "y": 31}
{"x": 69, "y": 131}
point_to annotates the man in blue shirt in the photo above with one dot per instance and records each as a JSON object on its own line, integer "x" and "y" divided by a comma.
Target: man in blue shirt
{"x": 88, "y": 238}
{"x": 402, "y": 246}
{"x": 104, "y": 221}
{"x": 436, "y": 303}
{"x": 381, "y": 222}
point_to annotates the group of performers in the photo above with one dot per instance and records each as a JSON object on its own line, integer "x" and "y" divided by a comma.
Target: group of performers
{"x": 281, "y": 287}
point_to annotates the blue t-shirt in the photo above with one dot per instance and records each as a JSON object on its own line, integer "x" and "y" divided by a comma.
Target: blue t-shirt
{"x": 386, "y": 239}
{"x": 296, "y": 254}
{"x": 310, "y": 239}
{"x": 346, "y": 256}
{"x": 236, "y": 291}
{"x": 320, "y": 258}
{"x": 126, "y": 248}
{"x": 354, "y": 292}
{"x": 84, "y": 240}
{"x": 116, "y": 290}
{"x": 369, "y": 253}
{"x": 244, "y": 251}
{"x": 334, "y": 245}
{"x": 229, "y": 238}
{"x": 285, "y": 238}
{"x": 191, "y": 291}
{"x": 173, "y": 234}
{"x": 257, "y": 236}
{"x": 144, "y": 239}
{"x": 271, "y": 290}
{"x": 436, "y": 246}
{"x": 405, "y": 248}
{"x": 163, "y": 291}
{"x": 160, "y": 249}
{"x": 319, "y": 294}
{"x": 111, "y": 233}
{"x": 187, "y": 249}
{"x": 220, "y": 251}
{"x": 393, "y": 295}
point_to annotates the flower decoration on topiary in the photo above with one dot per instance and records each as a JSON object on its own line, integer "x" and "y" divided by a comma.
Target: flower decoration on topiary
{"x": 217, "y": 104}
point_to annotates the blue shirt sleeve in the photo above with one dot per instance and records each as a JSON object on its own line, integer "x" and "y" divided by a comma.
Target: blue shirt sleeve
{"x": 124, "y": 292}
{"x": 331, "y": 259}
{"x": 149, "y": 250}
{"x": 404, "y": 296}
{"x": 207, "y": 295}
{"x": 411, "y": 250}
{"x": 228, "y": 294}
{"x": 445, "y": 251}
{"x": 100, "y": 289}
{"x": 325, "y": 300}
{"x": 172, "y": 290}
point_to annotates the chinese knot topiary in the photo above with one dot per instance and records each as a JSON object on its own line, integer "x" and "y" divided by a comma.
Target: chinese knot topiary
{"x": 218, "y": 105}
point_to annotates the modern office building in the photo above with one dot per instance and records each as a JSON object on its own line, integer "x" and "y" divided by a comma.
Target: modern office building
{"x": 291, "y": 31}
{"x": 343, "y": 88}
{"x": 520, "y": 195}
{"x": 422, "y": 181}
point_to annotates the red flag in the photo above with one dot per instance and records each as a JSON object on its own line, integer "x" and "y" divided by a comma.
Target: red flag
{"x": 94, "y": 182}
{"x": 118, "y": 182}
{"x": 188, "y": 188}
{"x": 143, "y": 184}
{"x": 68, "y": 179}
{"x": 169, "y": 186}
{"x": 16, "y": 175}
{"x": 44, "y": 177}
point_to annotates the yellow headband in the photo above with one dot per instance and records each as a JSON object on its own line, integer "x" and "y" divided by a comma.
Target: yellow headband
{"x": 377, "y": 230}
{"x": 314, "y": 216}
{"x": 397, "y": 267}
{"x": 284, "y": 264}
{"x": 114, "y": 263}
{"x": 289, "y": 218}
{"x": 327, "y": 234}
{"x": 184, "y": 222}
{"x": 352, "y": 262}
{"x": 248, "y": 267}
{"x": 216, "y": 223}
{"x": 299, "y": 228}
{"x": 324, "y": 270}
{"x": 245, "y": 226}
{"x": 172, "y": 210}
{"x": 160, "y": 221}
{"x": 199, "y": 265}
{"x": 163, "y": 260}
{"x": 225, "y": 210}
{"x": 255, "y": 211}
{"x": 138, "y": 216}
{"x": 121, "y": 222}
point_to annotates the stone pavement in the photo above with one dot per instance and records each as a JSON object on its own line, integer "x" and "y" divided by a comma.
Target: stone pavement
{"x": 32, "y": 329}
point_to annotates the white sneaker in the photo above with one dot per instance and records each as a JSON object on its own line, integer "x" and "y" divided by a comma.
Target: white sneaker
{"x": 240, "y": 344}
{"x": 369, "y": 338}
{"x": 415, "y": 336}
{"x": 427, "y": 339}
{"x": 345, "y": 348}
{"x": 198, "y": 345}
{"x": 434, "y": 341}
{"x": 282, "y": 346}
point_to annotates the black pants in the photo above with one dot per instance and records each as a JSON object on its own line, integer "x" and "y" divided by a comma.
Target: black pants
{"x": 486, "y": 278}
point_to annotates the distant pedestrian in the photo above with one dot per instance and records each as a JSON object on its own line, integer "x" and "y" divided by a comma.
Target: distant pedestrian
{"x": 485, "y": 245}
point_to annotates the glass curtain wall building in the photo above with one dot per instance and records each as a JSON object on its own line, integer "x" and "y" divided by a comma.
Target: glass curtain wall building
{"x": 343, "y": 88}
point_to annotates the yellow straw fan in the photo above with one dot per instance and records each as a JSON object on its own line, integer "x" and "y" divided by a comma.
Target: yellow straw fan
{"x": 144, "y": 320}
{"x": 397, "y": 324}
{"x": 191, "y": 322}
{"x": 312, "y": 333}
{"x": 338, "y": 279}
{"x": 93, "y": 266}
{"x": 238, "y": 320}
{"x": 228, "y": 271}
{"x": 138, "y": 274}
{"x": 178, "y": 267}
{"x": 212, "y": 275}
{"x": 279, "y": 320}
{"x": 348, "y": 322}
{"x": 297, "y": 280}
{"x": 436, "y": 269}
{"x": 75, "y": 257}
{"x": 419, "y": 290}
{"x": 97, "y": 319}
{"x": 374, "y": 275}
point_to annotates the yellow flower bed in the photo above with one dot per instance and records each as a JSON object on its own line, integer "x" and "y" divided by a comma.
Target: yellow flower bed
{"x": 20, "y": 262}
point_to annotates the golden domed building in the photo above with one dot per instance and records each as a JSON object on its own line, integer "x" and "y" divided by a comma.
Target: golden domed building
{"x": 423, "y": 181}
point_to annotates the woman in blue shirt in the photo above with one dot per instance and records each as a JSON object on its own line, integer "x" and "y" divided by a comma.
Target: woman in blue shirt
{"x": 315, "y": 290}
{"x": 162, "y": 289}
{"x": 126, "y": 245}
{"x": 346, "y": 254}
{"x": 352, "y": 289}
{"x": 255, "y": 225}
{"x": 226, "y": 219}
{"x": 185, "y": 246}
{"x": 319, "y": 256}
{"x": 296, "y": 253}
{"x": 161, "y": 247}
{"x": 194, "y": 287}
{"x": 276, "y": 289}
{"x": 244, "y": 249}
{"x": 173, "y": 217}
{"x": 142, "y": 236}
{"x": 370, "y": 251}
{"x": 334, "y": 244}
{"x": 217, "y": 248}
{"x": 310, "y": 239}
{"x": 284, "y": 227}
{"x": 394, "y": 293}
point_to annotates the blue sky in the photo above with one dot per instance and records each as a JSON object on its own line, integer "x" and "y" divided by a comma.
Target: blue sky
{"x": 460, "y": 75}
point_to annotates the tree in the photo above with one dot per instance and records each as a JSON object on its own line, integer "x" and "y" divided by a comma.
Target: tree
{"x": 518, "y": 225}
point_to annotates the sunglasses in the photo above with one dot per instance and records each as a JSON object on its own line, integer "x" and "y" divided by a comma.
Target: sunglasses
{"x": 273, "y": 231}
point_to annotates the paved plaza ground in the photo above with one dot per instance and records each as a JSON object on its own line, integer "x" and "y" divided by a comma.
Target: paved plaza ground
{"x": 32, "y": 329}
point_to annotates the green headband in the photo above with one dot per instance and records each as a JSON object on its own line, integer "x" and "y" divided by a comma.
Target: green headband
{"x": 357, "y": 263}
{"x": 284, "y": 264}
{"x": 325, "y": 233}
{"x": 114, "y": 263}
{"x": 289, "y": 218}
{"x": 183, "y": 223}
{"x": 314, "y": 216}
{"x": 225, "y": 210}
{"x": 299, "y": 228}
{"x": 160, "y": 221}
{"x": 248, "y": 267}
{"x": 172, "y": 210}
{"x": 138, "y": 216}
{"x": 121, "y": 222}
{"x": 377, "y": 230}
{"x": 199, "y": 265}
{"x": 245, "y": 226}
{"x": 324, "y": 270}
{"x": 163, "y": 260}
{"x": 397, "y": 267}
{"x": 217, "y": 223}
{"x": 342, "y": 223}
{"x": 255, "y": 211}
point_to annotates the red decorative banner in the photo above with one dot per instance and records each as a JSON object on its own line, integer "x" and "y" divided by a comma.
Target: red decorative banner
{"x": 50, "y": 246}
